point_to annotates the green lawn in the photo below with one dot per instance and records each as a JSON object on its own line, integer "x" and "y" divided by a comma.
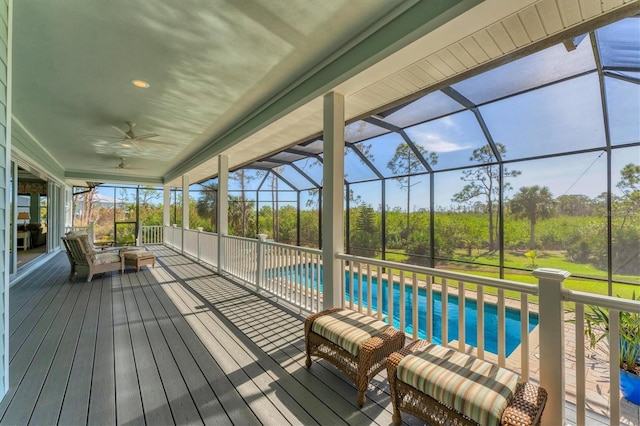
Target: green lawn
{"x": 544, "y": 259}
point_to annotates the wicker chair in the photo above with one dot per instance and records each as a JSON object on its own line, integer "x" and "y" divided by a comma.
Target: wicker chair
{"x": 523, "y": 408}
{"x": 371, "y": 355}
{"x": 95, "y": 262}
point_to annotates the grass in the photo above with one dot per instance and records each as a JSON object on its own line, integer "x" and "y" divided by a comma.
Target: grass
{"x": 544, "y": 259}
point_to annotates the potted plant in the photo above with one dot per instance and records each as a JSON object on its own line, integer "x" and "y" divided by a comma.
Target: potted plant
{"x": 597, "y": 329}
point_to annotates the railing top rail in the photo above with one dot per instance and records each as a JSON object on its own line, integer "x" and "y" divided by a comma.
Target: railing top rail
{"x": 235, "y": 237}
{"x": 602, "y": 301}
{"x": 297, "y": 248}
{"x": 274, "y": 244}
{"x": 457, "y": 276}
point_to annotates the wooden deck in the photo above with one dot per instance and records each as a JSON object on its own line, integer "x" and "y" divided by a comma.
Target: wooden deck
{"x": 171, "y": 345}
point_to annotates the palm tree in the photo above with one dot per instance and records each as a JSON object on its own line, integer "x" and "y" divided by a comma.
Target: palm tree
{"x": 532, "y": 203}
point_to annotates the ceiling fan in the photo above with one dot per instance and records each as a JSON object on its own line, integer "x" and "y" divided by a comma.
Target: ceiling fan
{"x": 124, "y": 166}
{"x": 131, "y": 138}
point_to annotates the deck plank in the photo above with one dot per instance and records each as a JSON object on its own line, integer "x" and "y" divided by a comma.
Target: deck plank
{"x": 27, "y": 394}
{"x": 177, "y": 393}
{"x": 26, "y": 317}
{"x": 129, "y": 407}
{"x": 229, "y": 359}
{"x": 26, "y": 341}
{"x": 226, "y": 394}
{"x": 280, "y": 335}
{"x": 154, "y": 398}
{"x": 75, "y": 407}
{"x": 48, "y": 405}
{"x": 102, "y": 399}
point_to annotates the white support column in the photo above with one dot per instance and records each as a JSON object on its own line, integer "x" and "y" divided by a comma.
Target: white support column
{"x": 185, "y": 202}
{"x": 223, "y": 207}
{"x": 166, "y": 211}
{"x": 185, "y": 210}
{"x": 552, "y": 352}
{"x": 333, "y": 199}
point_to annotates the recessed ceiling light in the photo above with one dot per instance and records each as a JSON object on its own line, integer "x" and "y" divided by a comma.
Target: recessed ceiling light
{"x": 140, "y": 83}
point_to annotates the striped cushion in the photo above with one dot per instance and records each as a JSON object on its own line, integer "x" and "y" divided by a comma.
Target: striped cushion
{"x": 138, "y": 254}
{"x": 348, "y": 329}
{"x": 478, "y": 389}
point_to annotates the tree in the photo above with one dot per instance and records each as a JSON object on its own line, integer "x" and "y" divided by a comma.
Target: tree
{"x": 532, "y": 203}
{"x": 206, "y": 205}
{"x": 243, "y": 179}
{"x": 575, "y": 205}
{"x": 364, "y": 238}
{"x": 404, "y": 162}
{"x": 484, "y": 182}
{"x": 629, "y": 184}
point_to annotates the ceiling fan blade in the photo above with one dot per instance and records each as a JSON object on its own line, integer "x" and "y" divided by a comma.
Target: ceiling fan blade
{"x": 160, "y": 143}
{"x": 137, "y": 145}
{"x": 146, "y": 136}
{"x": 121, "y": 132}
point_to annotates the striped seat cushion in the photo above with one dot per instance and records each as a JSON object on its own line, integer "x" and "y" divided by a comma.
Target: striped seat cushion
{"x": 476, "y": 388}
{"x": 348, "y": 329}
{"x": 138, "y": 254}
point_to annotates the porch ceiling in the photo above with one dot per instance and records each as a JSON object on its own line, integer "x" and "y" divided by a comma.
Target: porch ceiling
{"x": 244, "y": 78}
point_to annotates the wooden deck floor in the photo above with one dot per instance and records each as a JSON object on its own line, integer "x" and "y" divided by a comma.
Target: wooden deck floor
{"x": 171, "y": 345}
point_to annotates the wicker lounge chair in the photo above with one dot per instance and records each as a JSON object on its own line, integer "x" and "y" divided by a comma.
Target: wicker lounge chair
{"x": 355, "y": 343}
{"x": 459, "y": 389}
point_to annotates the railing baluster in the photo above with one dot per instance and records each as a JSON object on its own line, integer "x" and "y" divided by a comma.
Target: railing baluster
{"x": 415, "y": 306}
{"x": 352, "y": 281}
{"x": 403, "y": 303}
{"x": 614, "y": 366}
{"x": 390, "y": 296}
{"x": 369, "y": 290}
{"x": 360, "y": 287}
{"x": 524, "y": 336}
{"x": 480, "y": 320}
{"x": 379, "y": 306}
{"x": 461, "y": 317}
{"x": 444, "y": 304}
{"x": 580, "y": 366}
{"x": 430, "y": 308}
{"x": 501, "y": 329}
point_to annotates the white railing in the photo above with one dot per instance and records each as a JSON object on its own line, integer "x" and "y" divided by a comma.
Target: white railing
{"x": 615, "y": 306}
{"x": 208, "y": 244}
{"x": 452, "y": 297}
{"x": 173, "y": 237}
{"x": 151, "y": 234}
{"x": 241, "y": 258}
{"x": 478, "y": 315}
{"x": 191, "y": 246}
{"x": 291, "y": 273}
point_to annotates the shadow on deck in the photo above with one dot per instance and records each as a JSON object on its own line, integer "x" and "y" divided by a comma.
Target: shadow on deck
{"x": 175, "y": 344}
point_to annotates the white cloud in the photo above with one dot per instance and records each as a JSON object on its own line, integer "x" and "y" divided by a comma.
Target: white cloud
{"x": 434, "y": 143}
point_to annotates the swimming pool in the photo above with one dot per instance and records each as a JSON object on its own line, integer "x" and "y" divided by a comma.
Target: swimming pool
{"x": 512, "y": 316}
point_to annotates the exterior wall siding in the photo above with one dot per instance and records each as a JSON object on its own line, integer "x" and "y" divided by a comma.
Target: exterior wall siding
{"x": 6, "y": 7}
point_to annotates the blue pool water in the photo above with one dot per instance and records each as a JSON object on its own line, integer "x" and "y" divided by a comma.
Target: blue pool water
{"x": 512, "y": 316}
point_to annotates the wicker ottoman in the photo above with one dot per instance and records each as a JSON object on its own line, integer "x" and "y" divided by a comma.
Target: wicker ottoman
{"x": 442, "y": 386}
{"x": 355, "y": 343}
{"x": 137, "y": 258}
